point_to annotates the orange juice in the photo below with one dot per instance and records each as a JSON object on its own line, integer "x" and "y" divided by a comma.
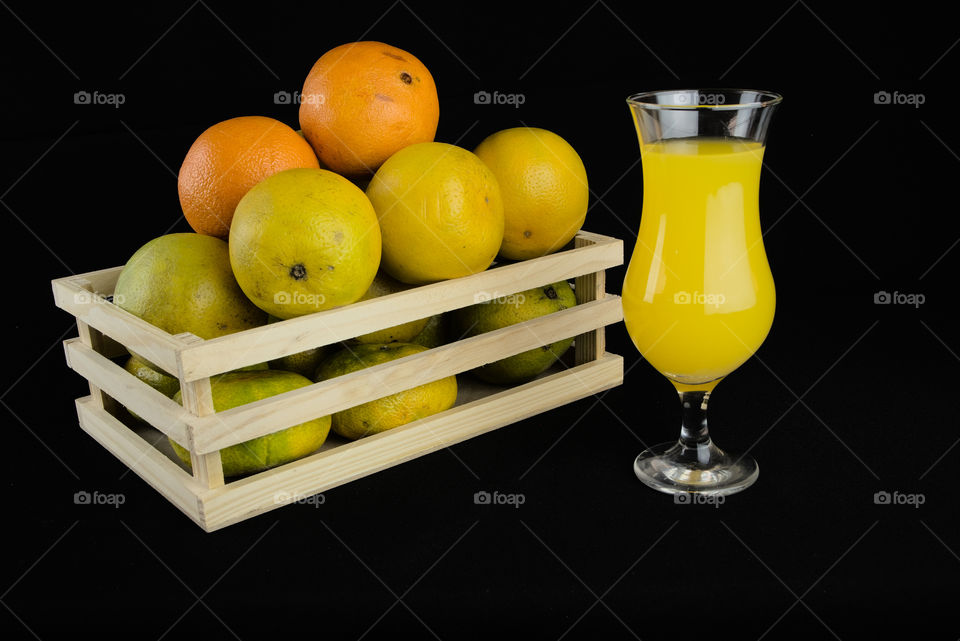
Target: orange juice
{"x": 698, "y": 297}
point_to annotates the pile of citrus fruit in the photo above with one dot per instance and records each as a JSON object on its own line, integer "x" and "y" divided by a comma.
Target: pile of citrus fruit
{"x": 360, "y": 202}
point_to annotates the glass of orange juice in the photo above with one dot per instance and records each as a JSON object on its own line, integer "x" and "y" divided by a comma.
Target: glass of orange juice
{"x": 698, "y": 297}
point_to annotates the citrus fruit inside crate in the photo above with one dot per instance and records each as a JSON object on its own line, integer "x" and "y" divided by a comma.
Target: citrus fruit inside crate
{"x": 107, "y": 332}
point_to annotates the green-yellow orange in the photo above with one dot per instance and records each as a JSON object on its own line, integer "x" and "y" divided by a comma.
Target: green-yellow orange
{"x": 154, "y": 377}
{"x": 434, "y": 333}
{"x": 183, "y": 283}
{"x": 508, "y": 310}
{"x": 390, "y": 411}
{"x": 239, "y": 388}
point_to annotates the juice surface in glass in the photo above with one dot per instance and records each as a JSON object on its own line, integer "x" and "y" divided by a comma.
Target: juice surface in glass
{"x": 698, "y": 297}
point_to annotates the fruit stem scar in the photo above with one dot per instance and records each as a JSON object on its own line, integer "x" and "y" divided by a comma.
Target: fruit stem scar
{"x": 527, "y": 234}
{"x": 550, "y": 292}
{"x": 406, "y": 78}
{"x": 298, "y": 272}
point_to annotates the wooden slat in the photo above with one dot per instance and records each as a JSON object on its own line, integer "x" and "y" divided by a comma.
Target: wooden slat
{"x": 215, "y": 356}
{"x": 589, "y": 287}
{"x": 197, "y": 399}
{"x": 161, "y": 412}
{"x": 265, "y": 491}
{"x": 95, "y": 341}
{"x": 143, "y": 458}
{"x": 291, "y": 408}
{"x": 147, "y": 340}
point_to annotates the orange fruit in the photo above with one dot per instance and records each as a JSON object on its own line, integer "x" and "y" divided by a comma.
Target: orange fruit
{"x": 227, "y": 160}
{"x": 363, "y": 101}
{"x": 440, "y": 213}
{"x": 544, "y": 187}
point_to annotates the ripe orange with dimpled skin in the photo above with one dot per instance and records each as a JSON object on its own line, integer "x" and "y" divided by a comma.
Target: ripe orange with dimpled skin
{"x": 227, "y": 160}
{"x": 544, "y": 187}
{"x": 364, "y": 101}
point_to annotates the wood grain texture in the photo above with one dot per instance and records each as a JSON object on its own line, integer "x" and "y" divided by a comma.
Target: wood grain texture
{"x": 197, "y": 397}
{"x": 292, "y": 408}
{"x": 589, "y": 287}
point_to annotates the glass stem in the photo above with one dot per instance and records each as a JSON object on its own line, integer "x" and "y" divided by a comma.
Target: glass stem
{"x": 694, "y": 435}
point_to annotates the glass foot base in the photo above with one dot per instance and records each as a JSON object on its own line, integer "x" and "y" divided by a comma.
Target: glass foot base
{"x": 704, "y": 469}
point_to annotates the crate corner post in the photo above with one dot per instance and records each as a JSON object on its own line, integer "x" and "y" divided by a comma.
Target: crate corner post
{"x": 591, "y": 345}
{"x": 198, "y": 400}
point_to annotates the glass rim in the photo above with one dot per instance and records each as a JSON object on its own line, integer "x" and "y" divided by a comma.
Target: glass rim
{"x": 767, "y": 99}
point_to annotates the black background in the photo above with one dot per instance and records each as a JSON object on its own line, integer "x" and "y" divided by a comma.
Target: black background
{"x": 846, "y": 398}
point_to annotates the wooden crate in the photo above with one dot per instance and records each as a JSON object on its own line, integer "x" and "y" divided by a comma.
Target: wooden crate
{"x": 105, "y": 331}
